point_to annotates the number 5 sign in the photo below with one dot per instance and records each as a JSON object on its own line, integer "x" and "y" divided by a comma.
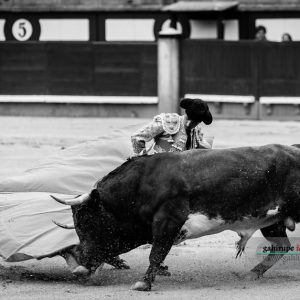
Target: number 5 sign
{"x": 22, "y": 29}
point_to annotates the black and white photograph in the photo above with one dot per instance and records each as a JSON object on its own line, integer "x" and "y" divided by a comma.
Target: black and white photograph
{"x": 149, "y": 149}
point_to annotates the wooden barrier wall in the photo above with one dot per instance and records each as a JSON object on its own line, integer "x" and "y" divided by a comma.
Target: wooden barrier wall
{"x": 117, "y": 69}
{"x": 263, "y": 70}
{"x": 244, "y": 79}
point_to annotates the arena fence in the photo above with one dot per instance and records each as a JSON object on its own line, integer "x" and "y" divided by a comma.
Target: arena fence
{"x": 60, "y": 78}
{"x": 244, "y": 79}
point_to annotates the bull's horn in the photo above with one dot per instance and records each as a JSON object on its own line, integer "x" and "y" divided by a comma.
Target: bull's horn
{"x": 63, "y": 225}
{"x": 74, "y": 201}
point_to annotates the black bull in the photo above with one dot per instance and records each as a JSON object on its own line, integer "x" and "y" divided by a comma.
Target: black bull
{"x": 169, "y": 197}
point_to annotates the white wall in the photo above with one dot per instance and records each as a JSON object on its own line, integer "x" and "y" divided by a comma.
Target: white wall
{"x": 64, "y": 29}
{"x": 124, "y": 29}
{"x": 129, "y": 29}
{"x": 2, "y": 37}
{"x": 203, "y": 29}
{"x": 231, "y": 30}
{"x": 276, "y": 27}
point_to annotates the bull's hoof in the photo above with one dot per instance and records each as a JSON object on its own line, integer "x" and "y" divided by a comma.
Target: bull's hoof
{"x": 251, "y": 276}
{"x": 81, "y": 271}
{"x": 118, "y": 263}
{"x": 163, "y": 271}
{"x": 97, "y": 272}
{"x": 141, "y": 286}
{"x": 122, "y": 266}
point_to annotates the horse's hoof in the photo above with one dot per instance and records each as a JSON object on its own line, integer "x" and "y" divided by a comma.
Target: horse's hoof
{"x": 252, "y": 276}
{"x": 81, "y": 271}
{"x": 141, "y": 286}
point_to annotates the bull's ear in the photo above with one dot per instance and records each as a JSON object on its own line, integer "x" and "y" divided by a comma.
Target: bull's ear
{"x": 97, "y": 197}
{"x": 95, "y": 194}
{"x": 94, "y": 198}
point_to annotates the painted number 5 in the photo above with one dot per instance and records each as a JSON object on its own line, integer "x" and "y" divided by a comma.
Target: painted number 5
{"x": 22, "y": 30}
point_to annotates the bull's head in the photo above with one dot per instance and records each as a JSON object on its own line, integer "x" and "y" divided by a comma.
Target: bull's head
{"x": 95, "y": 227}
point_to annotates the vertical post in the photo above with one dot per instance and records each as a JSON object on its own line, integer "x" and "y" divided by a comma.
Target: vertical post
{"x": 168, "y": 70}
{"x": 220, "y": 28}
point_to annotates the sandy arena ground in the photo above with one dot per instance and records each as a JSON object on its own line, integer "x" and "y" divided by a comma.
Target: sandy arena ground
{"x": 205, "y": 268}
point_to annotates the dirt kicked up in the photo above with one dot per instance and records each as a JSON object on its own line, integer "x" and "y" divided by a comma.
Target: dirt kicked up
{"x": 204, "y": 268}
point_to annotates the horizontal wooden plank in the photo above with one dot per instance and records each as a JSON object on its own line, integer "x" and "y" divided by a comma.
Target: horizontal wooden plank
{"x": 80, "y": 5}
{"x": 77, "y": 99}
{"x": 223, "y": 98}
{"x": 279, "y": 100}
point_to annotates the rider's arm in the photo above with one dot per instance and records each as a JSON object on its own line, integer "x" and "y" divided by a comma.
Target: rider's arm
{"x": 146, "y": 134}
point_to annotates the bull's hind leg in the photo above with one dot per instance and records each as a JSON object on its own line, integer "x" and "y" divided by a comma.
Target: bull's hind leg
{"x": 165, "y": 230}
{"x": 276, "y": 234}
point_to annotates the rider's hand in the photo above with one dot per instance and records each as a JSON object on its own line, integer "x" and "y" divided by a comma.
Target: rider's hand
{"x": 143, "y": 152}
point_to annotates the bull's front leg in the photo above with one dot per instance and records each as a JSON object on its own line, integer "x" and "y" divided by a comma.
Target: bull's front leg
{"x": 118, "y": 263}
{"x": 88, "y": 261}
{"x": 160, "y": 249}
{"x": 86, "y": 255}
{"x": 74, "y": 266}
{"x": 165, "y": 231}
